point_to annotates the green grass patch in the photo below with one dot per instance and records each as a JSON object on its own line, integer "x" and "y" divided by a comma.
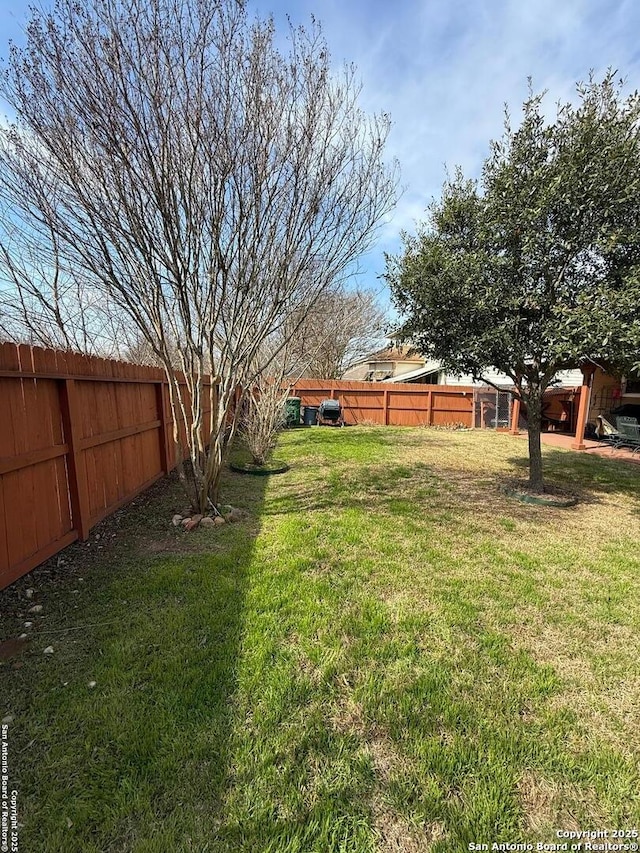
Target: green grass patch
{"x": 389, "y": 654}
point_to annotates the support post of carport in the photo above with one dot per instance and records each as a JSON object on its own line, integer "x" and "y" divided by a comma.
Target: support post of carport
{"x": 583, "y": 408}
{"x": 515, "y": 415}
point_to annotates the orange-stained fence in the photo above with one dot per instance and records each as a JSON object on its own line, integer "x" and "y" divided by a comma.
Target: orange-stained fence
{"x": 397, "y": 404}
{"x": 79, "y": 437}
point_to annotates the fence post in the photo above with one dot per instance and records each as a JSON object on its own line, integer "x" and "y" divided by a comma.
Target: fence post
{"x": 429, "y": 410}
{"x": 385, "y": 403}
{"x": 76, "y": 465}
{"x": 161, "y": 408}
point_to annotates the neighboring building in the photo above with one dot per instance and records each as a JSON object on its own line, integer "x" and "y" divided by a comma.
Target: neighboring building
{"x": 607, "y": 390}
{"x": 392, "y": 362}
{"x": 399, "y": 362}
{"x": 432, "y": 373}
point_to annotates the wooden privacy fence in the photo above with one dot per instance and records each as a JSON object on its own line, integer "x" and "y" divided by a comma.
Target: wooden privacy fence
{"x": 394, "y": 404}
{"x": 79, "y": 437}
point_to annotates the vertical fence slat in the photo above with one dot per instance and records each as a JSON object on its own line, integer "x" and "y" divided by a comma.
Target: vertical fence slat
{"x": 5, "y": 562}
{"x": 9, "y": 357}
{"x": 78, "y": 487}
{"x": 163, "y": 432}
{"x": 515, "y": 415}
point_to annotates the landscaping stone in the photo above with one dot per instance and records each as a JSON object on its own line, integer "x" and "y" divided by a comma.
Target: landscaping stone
{"x": 6, "y": 720}
{"x": 218, "y": 520}
{"x": 48, "y": 650}
{"x": 207, "y": 521}
{"x": 185, "y": 521}
{"x": 37, "y": 608}
{"x": 176, "y": 520}
{"x": 92, "y": 684}
{"x": 23, "y": 636}
{"x": 194, "y": 522}
{"x": 29, "y": 593}
{"x": 234, "y": 515}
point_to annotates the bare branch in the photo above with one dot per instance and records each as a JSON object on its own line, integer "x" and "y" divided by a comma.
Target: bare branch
{"x": 169, "y": 157}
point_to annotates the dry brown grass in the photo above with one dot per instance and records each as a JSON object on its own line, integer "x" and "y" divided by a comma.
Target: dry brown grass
{"x": 395, "y": 833}
{"x": 606, "y": 705}
{"x": 549, "y": 805}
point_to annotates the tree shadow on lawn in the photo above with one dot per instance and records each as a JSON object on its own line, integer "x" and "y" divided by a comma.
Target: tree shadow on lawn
{"x": 138, "y": 761}
{"x": 367, "y": 478}
{"x": 450, "y": 491}
{"x": 590, "y": 478}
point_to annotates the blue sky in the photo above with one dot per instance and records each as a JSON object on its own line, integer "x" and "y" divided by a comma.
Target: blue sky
{"x": 444, "y": 69}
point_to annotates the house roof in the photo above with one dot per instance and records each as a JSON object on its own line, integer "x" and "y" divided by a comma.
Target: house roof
{"x": 403, "y": 353}
{"x": 429, "y": 367}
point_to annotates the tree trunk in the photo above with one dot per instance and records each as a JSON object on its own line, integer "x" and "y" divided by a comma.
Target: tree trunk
{"x": 221, "y": 401}
{"x": 213, "y": 493}
{"x": 534, "y": 417}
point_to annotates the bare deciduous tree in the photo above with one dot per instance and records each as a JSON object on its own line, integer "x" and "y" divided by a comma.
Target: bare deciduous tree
{"x": 263, "y": 416}
{"x": 206, "y": 182}
{"x": 338, "y": 328}
{"x": 44, "y": 304}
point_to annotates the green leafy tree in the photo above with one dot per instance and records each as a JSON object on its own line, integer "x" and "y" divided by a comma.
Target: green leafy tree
{"x": 534, "y": 268}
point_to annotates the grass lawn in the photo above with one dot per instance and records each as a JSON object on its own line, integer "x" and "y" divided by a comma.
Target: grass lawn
{"x": 389, "y": 655}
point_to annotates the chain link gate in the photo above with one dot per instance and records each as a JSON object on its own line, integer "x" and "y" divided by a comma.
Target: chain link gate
{"x": 492, "y": 408}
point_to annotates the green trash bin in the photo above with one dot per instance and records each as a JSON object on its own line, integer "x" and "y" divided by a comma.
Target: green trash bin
{"x": 292, "y": 411}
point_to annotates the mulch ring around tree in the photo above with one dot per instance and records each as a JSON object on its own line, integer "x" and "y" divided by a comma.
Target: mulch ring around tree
{"x": 273, "y": 466}
{"x": 552, "y": 495}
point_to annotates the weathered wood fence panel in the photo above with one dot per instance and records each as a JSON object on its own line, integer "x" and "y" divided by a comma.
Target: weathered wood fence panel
{"x": 394, "y": 404}
{"x": 79, "y": 437}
